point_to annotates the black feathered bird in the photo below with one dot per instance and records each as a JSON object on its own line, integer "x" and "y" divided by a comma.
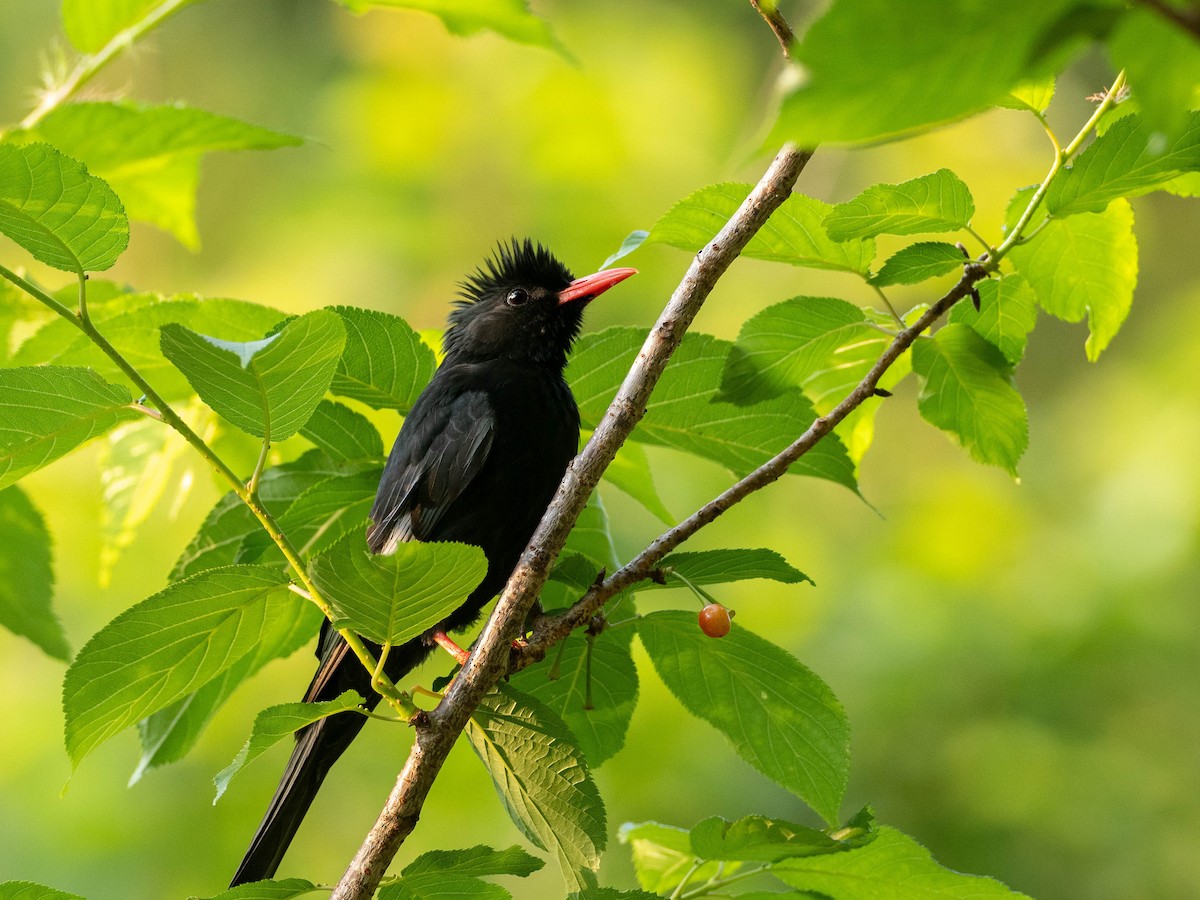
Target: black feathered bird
{"x": 477, "y": 460}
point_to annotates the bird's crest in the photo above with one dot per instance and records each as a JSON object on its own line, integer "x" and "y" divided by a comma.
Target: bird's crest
{"x": 518, "y": 262}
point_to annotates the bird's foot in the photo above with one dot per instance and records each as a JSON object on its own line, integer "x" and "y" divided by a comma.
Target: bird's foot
{"x": 444, "y": 641}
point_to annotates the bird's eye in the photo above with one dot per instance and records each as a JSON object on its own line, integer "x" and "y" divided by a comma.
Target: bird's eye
{"x": 517, "y": 297}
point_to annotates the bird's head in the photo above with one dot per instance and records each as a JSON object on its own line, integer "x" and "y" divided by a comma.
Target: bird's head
{"x": 522, "y": 304}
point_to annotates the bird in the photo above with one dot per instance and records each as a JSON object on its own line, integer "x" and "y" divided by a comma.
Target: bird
{"x": 477, "y": 460}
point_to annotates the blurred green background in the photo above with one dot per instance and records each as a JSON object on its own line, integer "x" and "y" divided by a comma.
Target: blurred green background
{"x": 1018, "y": 660}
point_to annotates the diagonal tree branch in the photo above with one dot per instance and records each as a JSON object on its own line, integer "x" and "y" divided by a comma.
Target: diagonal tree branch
{"x": 489, "y": 661}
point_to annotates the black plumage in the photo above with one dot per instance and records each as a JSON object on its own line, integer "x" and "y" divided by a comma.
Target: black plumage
{"x": 477, "y": 460}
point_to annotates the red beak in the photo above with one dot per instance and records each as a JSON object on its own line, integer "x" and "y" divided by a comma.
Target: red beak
{"x": 593, "y": 285}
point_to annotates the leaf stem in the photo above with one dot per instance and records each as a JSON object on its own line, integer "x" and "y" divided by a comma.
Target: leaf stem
{"x": 975, "y": 234}
{"x": 714, "y": 883}
{"x": 89, "y": 65}
{"x": 678, "y": 892}
{"x": 886, "y": 302}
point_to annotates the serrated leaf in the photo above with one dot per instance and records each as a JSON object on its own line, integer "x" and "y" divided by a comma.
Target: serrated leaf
{"x": 758, "y": 839}
{"x": 630, "y": 472}
{"x": 912, "y": 78}
{"x": 52, "y": 207}
{"x": 508, "y": 18}
{"x": 542, "y": 779}
{"x": 130, "y": 322}
{"x": 26, "y": 576}
{"x": 385, "y": 365}
{"x": 723, "y": 566}
{"x": 441, "y": 886}
{"x": 821, "y": 345}
{"x": 347, "y": 436}
{"x": 28, "y": 890}
{"x": 48, "y": 411}
{"x": 90, "y": 24}
{"x": 1084, "y": 265}
{"x": 167, "y": 735}
{"x": 918, "y": 262}
{"x": 164, "y": 648}
{"x": 268, "y": 387}
{"x": 893, "y": 865}
{"x": 967, "y": 391}
{"x": 778, "y": 715}
{"x": 607, "y": 893}
{"x": 150, "y": 155}
{"x": 1163, "y": 62}
{"x": 1007, "y": 313}
{"x": 686, "y": 414}
{"x": 936, "y": 202}
{"x": 1128, "y": 160}
{"x": 275, "y": 723}
{"x": 566, "y": 681}
{"x": 1034, "y": 95}
{"x": 283, "y": 889}
{"x": 663, "y": 857}
{"x": 477, "y": 861}
{"x": 389, "y": 599}
{"x": 792, "y": 235}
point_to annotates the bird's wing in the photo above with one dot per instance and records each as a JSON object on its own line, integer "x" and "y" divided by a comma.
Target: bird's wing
{"x": 440, "y": 450}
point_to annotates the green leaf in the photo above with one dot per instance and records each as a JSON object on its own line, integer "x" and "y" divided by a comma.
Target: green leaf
{"x": 792, "y": 235}
{"x": 723, "y": 566}
{"x": 1084, "y": 265}
{"x": 892, "y": 866}
{"x": 385, "y": 365}
{"x": 167, "y": 735}
{"x": 918, "y": 262}
{"x": 630, "y": 472}
{"x": 912, "y": 78}
{"x": 150, "y": 155}
{"x": 1128, "y": 160}
{"x": 283, "y": 889}
{"x": 440, "y": 886}
{"x": 967, "y": 391}
{"x": 663, "y": 857}
{"x": 686, "y": 414}
{"x": 821, "y": 345}
{"x": 477, "y": 861}
{"x": 275, "y": 723}
{"x": 779, "y": 716}
{"x": 561, "y": 682}
{"x": 508, "y": 18}
{"x": 936, "y": 202}
{"x": 393, "y": 598}
{"x": 131, "y": 322}
{"x": 632, "y": 241}
{"x": 345, "y": 435}
{"x": 607, "y": 893}
{"x": 27, "y": 890}
{"x": 1163, "y": 62}
{"x": 90, "y": 24}
{"x": 759, "y": 839}
{"x": 26, "y": 575}
{"x": 1007, "y": 313}
{"x": 52, "y": 207}
{"x": 542, "y": 779}
{"x": 166, "y": 647}
{"x": 1033, "y": 95}
{"x": 48, "y": 411}
{"x": 268, "y": 387}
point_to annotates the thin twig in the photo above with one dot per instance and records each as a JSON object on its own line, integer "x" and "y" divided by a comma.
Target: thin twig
{"x": 489, "y": 661}
{"x": 774, "y": 18}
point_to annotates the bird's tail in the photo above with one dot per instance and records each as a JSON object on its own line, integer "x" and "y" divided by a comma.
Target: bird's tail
{"x": 318, "y": 747}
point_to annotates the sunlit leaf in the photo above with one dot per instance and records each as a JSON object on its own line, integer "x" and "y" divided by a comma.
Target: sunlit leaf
{"x": 1007, "y": 313}
{"x": 542, "y": 779}
{"x": 967, "y": 390}
{"x": 343, "y": 433}
{"x": 268, "y": 387}
{"x": 90, "y": 24}
{"x": 284, "y": 889}
{"x": 758, "y": 839}
{"x": 48, "y": 411}
{"x": 630, "y": 471}
{"x": 1034, "y": 95}
{"x": 663, "y": 857}
{"x": 893, "y": 865}
{"x": 52, "y": 207}
{"x": 27, "y": 890}
{"x": 778, "y": 715}
{"x": 275, "y": 723}
{"x": 507, "y": 18}
{"x": 442, "y": 886}
{"x": 385, "y": 365}
{"x": 476, "y": 861}
{"x": 164, "y": 648}
{"x": 26, "y": 576}
{"x": 1128, "y": 160}
{"x": 723, "y": 566}
{"x": 918, "y": 262}
{"x": 396, "y": 597}
{"x": 936, "y": 202}
{"x": 1084, "y": 265}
